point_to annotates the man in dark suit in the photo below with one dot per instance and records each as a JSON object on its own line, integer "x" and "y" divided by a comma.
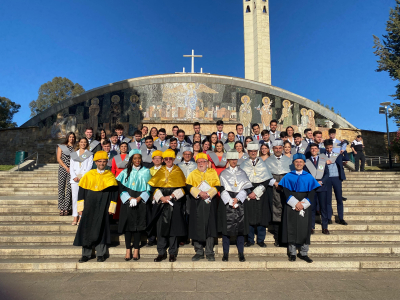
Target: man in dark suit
{"x": 336, "y": 177}
{"x": 111, "y": 153}
{"x": 147, "y": 151}
{"x": 300, "y": 145}
{"x": 317, "y": 135}
{"x": 239, "y": 134}
{"x": 273, "y": 133}
{"x": 137, "y": 142}
{"x": 222, "y": 136}
{"x": 318, "y": 168}
{"x": 256, "y": 130}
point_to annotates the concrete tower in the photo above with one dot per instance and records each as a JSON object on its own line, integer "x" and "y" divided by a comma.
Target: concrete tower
{"x": 257, "y": 52}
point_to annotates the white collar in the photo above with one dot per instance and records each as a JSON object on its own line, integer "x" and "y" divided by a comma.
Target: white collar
{"x": 136, "y": 168}
{"x": 157, "y": 168}
{"x": 233, "y": 169}
{"x": 100, "y": 171}
{"x": 169, "y": 169}
{"x": 299, "y": 172}
{"x": 279, "y": 156}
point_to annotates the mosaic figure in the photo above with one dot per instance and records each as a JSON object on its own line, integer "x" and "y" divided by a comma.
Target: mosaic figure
{"x": 245, "y": 115}
{"x": 287, "y": 116}
{"x": 311, "y": 120}
{"x": 266, "y": 112}
{"x": 94, "y": 110}
{"x": 115, "y": 111}
{"x": 304, "y": 120}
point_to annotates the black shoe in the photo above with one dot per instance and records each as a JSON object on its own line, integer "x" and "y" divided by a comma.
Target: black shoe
{"x": 151, "y": 244}
{"x": 161, "y": 258}
{"x": 210, "y": 257}
{"x": 344, "y": 198}
{"x": 84, "y": 259}
{"x": 325, "y": 231}
{"x": 241, "y": 257}
{"x": 305, "y": 258}
{"x": 100, "y": 258}
{"x": 276, "y": 244}
{"x": 292, "y": 257}
{"x": 312, "y": 231}
{"x": 248, "y": 244}
{"x": 225, "y": 257}
{"x": 137, "y": 258}
{"x": 262, "y": 245}
{"x": 127, "y": 259}
{"x": 172, "y": 258}
{"x": 342, "y": 222}
{"x": 329, "y": 221}
{"x": 197, "y": 257}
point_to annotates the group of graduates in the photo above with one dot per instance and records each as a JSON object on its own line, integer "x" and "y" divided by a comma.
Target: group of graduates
{"x": 176, "y": 196}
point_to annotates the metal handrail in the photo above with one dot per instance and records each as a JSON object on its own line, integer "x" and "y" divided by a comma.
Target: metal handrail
{"x": 379, "y": 159}
{"x": 37, "y": 159}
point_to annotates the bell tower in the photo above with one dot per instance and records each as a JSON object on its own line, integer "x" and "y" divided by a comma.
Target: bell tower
{"x": 257, "y": 52}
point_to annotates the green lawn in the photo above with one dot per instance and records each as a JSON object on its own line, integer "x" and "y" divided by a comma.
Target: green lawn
{"x": 6, "y": 167}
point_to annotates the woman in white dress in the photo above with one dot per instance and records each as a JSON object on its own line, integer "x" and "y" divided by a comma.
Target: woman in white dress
{"x": 81, "y": 162}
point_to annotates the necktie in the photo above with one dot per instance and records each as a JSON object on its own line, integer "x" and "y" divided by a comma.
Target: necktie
{"x": 258, "y": 137}
{"x": 298, "y": 149}
{"x": 254, "y": 163}
{"x": 187, "y": 164}
{"x": 138, "y": 145}
{"x": 161, "y": 143}
{"x": 180, "y": 145}
{"x": 219, "y": 135}
{"x": 329, "y": 155}
{"x": 315, "y": 161}
{"x": 148, "y": 152}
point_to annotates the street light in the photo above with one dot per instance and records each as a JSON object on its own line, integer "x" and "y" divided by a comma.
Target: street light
{"x": 386, "y": 110}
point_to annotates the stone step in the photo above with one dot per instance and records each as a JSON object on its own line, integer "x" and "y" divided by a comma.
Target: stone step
{"x": 61, "y": 228}
{"x": 371, "y": 186}
{"x": 21, "y": 252}
{"x": 184, "y": 264}
{"x": 29, "y": 185}
{"x": 350, "y": 192}
{"x": 339, "y": 237}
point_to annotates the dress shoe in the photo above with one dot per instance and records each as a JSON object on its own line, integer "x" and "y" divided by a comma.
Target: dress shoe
{"x": 84, "y": 259}
{"x": 276, "y": 244}
{"x": 241, "y": 257}
{"x": 160, "y": 257}
{"x": 248, "y": 244}
{"x": 210, "y": 257}
{"x": 292, "y": 257}
{"x": 325, "y": 231}
{"x": 305, "y": 258}
{"x": 342, "y": 222}
{"x": 172, "y": 258}
{"x": 262, "y": 245}
{"x": 127, "y": 259}
{"x": 197, "y": 257}
{"x": 312, "y": 231}
{"x": 182, "y": 244}
{"x": 137, "y": 258}
{"x": 344, "y": 198}
{"x": 225, "y": 257}
{"x": 151, "y": 244}
{"x": 100, "y": 258}
{"x": 329, "y": 221}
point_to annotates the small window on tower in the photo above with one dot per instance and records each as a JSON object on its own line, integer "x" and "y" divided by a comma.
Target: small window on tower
{"x": 264, "y": 10}
{"x": 248, "y": 9}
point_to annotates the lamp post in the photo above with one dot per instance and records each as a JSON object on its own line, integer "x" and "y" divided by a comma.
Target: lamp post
{"x": 385, "y": 109}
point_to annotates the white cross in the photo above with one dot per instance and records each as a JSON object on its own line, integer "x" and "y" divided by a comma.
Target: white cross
{"x": 193, "y": 56}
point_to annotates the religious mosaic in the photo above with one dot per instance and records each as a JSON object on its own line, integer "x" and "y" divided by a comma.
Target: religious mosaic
{"x": 174, "y": 103}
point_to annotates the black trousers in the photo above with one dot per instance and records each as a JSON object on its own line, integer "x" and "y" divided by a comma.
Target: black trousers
{"x": 360, "y": 156}
{"x": 136, "y": 239}
{"x": 226, "y": 241}
{"x": 170, "y": 242}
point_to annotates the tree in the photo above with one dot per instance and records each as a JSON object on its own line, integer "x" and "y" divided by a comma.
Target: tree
{"x": 7, "y": 111}
{"x": 53, "y": 92}
{"x": 332, "y": 109}
{"x": 388, "y": 52}
{"x": 318, "y": 101}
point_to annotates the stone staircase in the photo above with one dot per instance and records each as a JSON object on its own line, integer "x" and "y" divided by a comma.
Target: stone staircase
{"x": 33, "y": 238}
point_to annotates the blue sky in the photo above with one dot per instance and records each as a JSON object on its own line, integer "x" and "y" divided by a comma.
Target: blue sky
{"x": 320, "y": 49}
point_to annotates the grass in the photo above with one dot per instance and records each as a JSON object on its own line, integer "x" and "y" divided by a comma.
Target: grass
{"x": 6, "y": 167}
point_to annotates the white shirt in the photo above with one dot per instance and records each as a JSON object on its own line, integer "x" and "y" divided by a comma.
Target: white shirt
{"x": 157, "y": 168}
{"x": 100, "y": 171}
{"x": 299, "y": 172}
{"x": 169, "y": 169}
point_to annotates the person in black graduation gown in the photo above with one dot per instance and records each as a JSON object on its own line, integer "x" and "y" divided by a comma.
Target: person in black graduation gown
{"x": 299, "y": 187}
{"x": 202, "y": 186}
{"x": 134, "y": 193}
{"x": 232, "y": 216}
{"x": 168, "y": 186}
{"x": 98, "y": 194}
{"x": 259, "y": 204}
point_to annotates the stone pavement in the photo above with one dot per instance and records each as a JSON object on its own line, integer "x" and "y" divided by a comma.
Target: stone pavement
{"x": 201, "y": 285}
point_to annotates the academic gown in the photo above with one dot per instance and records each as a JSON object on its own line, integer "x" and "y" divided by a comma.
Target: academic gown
{"x": 169, "y": 220}
{"x": 133, "y": 218}
{"x": 259, "y": 211}
{"x": 203, "y": 216}
{"x": 295, "y": 228}
{"x": 233, "y": 221}
{"x": 97, "y": 196}
{"x": 116, "y": 170}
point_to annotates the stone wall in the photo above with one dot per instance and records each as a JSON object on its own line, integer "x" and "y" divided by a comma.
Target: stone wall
{"x": 31, "y": 139}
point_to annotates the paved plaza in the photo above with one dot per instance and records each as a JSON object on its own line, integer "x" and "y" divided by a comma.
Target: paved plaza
{"x": 201, "y": 285}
